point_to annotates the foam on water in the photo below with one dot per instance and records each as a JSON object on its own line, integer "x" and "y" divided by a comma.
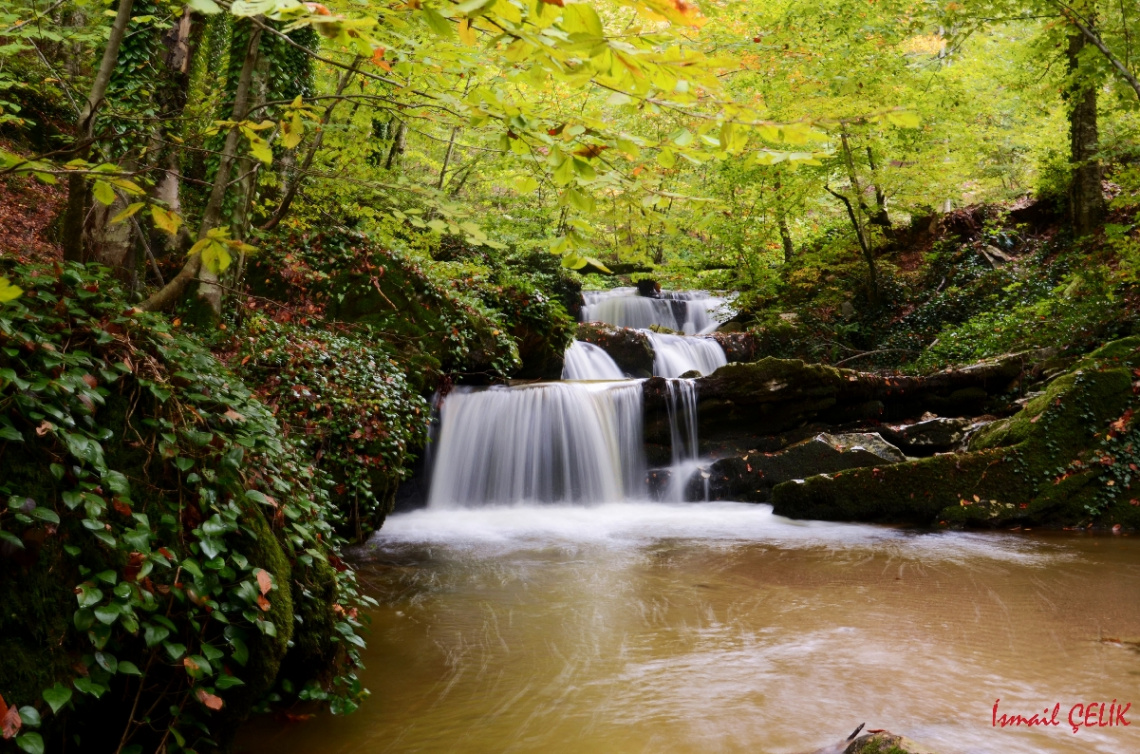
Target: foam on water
{"x": 491, "y": 531}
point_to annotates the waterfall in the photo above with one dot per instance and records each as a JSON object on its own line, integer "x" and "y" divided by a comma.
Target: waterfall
{"x": 585, "y": 361}
{"x": 558, "y": 442}
{"x": 690, "y": 312}
{"x": 678, "y": 354}
{"x": 681, "y": 407}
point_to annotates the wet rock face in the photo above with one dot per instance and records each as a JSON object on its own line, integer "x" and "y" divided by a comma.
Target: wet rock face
{"x": 629, "y": 348}
{"x": 925, "y": 438}
{"x": 751, "y": 477}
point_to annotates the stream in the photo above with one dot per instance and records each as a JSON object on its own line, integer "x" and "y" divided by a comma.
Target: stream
{"x": 547, "y": 599}
{"x": 718, "y": 627}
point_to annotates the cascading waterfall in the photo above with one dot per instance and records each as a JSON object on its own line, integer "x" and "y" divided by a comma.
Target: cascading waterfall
{"x": 690, "y": 312}
{"x": 585, "y": 361}
{"x": 679, "y": 354}
{"x": 558, "y": 442}
{"x": 681, "y": 407}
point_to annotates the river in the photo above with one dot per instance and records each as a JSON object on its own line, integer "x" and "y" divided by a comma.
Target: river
{"x": 719, "y": 627}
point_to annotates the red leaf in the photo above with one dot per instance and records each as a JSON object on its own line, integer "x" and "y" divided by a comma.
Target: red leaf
{"x": 264, "y": 582}
{"x": 208, "y": 699}
{"x": 10, "y": 721}
{"x": 134, "y": 564}
{"x": 559, "y": 3}
{"x": 91, "y": 381}
{"x": 263, "y": 604}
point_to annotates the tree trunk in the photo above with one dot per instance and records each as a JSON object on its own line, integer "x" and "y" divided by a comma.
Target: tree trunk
{"x": 398, "y": 142}
{"x": 1086, "y": 196}
{"x": 879, "y": 216}
{"x": 208, "y": 289}
{"x": 85, "y": 129}
{"x": 786, "y": 237}
{"x": 315, "y": 145}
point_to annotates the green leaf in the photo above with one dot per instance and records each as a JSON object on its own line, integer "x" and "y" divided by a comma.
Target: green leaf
{"x": 103, "y": 193}
{"x": 88, "y": 686}
{"x": 129, "y": 668}
{"x": 206, "y": 7}
{"x": 45, "y": 514}
{"x": 12, "y": 539}
{"x": 438, "y": 23}
{"x": 904, "y": 119}
{"x": 30, "y": 716}
{"x": 32, "y": 743}
{"x": 88, "y": 595}
{"x": 153, "y": 634}
{"x": 57, "y": 696}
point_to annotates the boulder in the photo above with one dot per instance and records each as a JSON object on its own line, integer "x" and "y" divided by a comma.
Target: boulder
{"x": 875, "y": 742}
{"x": 751, "y": 477}
{"x": 629, "y": 348}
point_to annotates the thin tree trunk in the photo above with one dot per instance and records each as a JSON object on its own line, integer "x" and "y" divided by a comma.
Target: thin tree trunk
{"x": 208, "y": 289}
{"x": 85, "y": 129}
{"x": 447, "y": 158}
{"x": 868, "y": 256}
{"x": 785, "y": 237}
{"x": 1086, "y": 196}
{"x": 318, "y": 137}
{"x": 398, "y": 142}
{"x": 880, "y": 216}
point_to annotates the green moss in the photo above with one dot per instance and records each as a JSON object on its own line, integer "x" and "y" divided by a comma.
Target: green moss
{"x": 1015, "y": 472}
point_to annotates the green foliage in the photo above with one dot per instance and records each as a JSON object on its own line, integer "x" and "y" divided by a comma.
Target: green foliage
{"x": 160, "y": 536}
{"x": 344, "y": 399}
{"x": 435, "y": 329}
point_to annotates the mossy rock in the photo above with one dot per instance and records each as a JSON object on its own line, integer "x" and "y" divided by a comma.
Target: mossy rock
{"x": 1015, "y": 472}
{"x": 629, "y": 348}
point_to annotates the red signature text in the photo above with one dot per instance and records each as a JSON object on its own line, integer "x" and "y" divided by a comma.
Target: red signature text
{"x": 1087, "y": 715}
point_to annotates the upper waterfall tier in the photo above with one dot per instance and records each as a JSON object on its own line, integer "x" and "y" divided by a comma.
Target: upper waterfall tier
{"x": 559, "y": 442}
{"x": 690, "y": 312}
{"x": 585, "y": 361}
{"x": 676, "y": 355}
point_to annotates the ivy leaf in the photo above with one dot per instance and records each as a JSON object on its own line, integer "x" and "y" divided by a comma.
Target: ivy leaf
{"x": 57, "y": 696}
{"x": 32, "y": 743}
{"x": 205, "y": 7}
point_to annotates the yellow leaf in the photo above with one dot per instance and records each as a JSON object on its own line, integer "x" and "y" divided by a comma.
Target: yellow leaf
{"x": 8, "y": 292}
{"x": 216, "y": 257}
{"x": 466, "y": 33}
{"x": 904, "y": 119}
{"x": 165, "y": 220}
{"x": 129, "y": 211}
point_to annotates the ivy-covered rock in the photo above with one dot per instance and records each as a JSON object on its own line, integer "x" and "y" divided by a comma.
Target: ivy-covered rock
{"x": 167, "y": 563}
{"x": 343, "y": 398}
{"x": 1066, "y": 459}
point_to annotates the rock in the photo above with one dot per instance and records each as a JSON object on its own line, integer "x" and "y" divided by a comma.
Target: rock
{"x": 648, "y": 288}
{"x": 731, "y": 326}
{"x": 995, "y": 256}
{"x": 751, "y": 477}
{"x": 771, "y": 395}
{"x": 875, "y": 742}
{"x": 739, "y": 346}
{"x": 925, "y": 438}
{"x": 1017, "y": 471}
{"x": 847, "y": 310}
{"x": 789, "y": 316}
{"x": 629, "y": 348}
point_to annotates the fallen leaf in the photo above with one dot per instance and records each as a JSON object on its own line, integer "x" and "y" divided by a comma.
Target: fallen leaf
{"x": 264, "y": 582}
{"x": 263, "y": 603}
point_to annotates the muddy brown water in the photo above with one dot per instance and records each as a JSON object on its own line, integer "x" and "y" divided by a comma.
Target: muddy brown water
{"x": 721, "y": 628}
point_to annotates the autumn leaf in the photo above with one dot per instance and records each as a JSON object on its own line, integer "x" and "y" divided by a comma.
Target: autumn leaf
{"x": 264, "y": 581}
{"x": 9, "y": 719}
{"x": 263, "y": 604}
{"x": 8, "y": 292}
{"x": 210, "y": 700}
